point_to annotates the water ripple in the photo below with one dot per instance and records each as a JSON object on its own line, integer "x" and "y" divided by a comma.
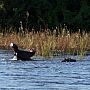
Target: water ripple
{"x": 43, "y": 74}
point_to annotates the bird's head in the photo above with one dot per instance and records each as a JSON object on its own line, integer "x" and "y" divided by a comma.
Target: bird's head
{"x": 14, "y": 47}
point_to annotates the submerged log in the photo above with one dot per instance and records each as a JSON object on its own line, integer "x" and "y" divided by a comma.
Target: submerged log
{"x": 68, "y": 60}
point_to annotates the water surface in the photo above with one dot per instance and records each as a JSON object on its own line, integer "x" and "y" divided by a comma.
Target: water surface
{"x": 43, "y": 74}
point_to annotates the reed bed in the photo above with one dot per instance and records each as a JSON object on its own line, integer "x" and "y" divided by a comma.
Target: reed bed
{"x": 47, "y": 42}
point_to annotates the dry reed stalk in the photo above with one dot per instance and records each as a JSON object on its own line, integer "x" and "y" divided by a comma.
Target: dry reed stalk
{"x": 46, "y": 42}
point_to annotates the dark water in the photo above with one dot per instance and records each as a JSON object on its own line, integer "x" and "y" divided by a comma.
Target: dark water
{"x": 43, "y": 74}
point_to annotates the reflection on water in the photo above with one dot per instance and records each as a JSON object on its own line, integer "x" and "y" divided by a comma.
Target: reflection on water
{"x": 41, "y": 74}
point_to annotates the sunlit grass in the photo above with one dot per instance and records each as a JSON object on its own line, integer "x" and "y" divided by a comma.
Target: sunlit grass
{"x": 46, "y": 42}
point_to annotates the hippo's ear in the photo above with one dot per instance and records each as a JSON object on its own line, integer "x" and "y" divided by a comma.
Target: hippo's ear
{"x": 11, "y": 45}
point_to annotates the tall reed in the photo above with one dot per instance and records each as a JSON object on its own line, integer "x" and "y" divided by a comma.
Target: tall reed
{"x": 46, "y": 42}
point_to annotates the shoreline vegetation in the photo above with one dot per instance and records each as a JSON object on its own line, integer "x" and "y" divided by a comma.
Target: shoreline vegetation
{"x": 48, "y": 42}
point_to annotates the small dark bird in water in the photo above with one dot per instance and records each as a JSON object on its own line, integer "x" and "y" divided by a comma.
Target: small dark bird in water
{"x": 69, "y": 60}
{"x": 22, "y": 55}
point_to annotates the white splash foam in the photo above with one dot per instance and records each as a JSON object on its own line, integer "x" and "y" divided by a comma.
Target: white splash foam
{"x": 14, "y": 58}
